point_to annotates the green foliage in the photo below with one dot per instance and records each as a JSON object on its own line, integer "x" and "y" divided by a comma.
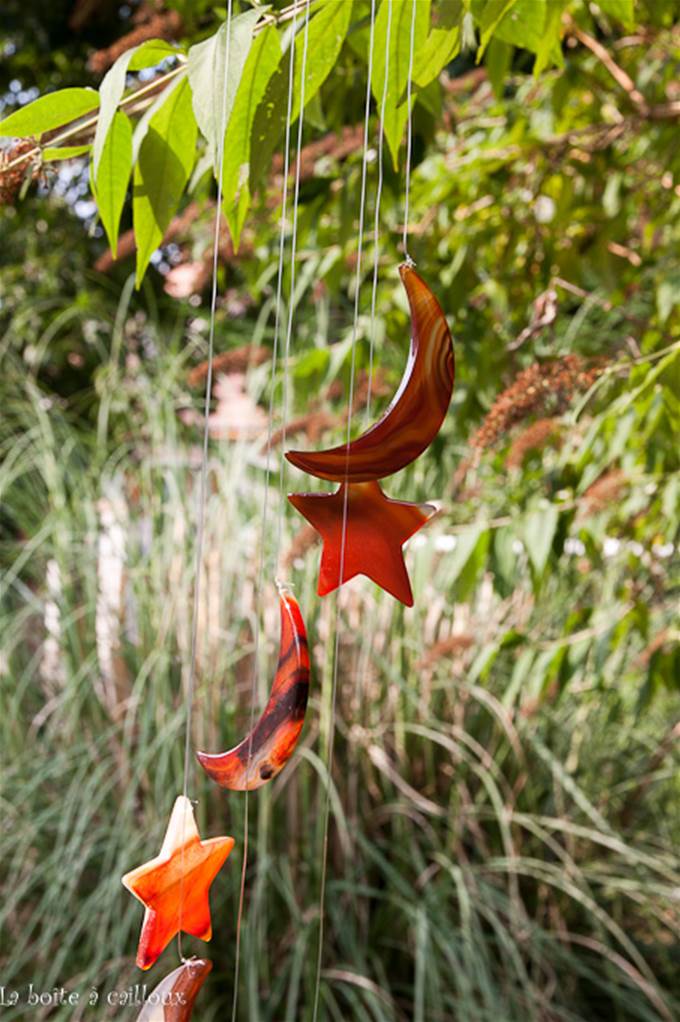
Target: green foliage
{"x": 248, "y": 92}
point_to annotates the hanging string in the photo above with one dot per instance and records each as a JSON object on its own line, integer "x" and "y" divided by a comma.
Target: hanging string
{"x": 204, "y": 467}
{"x": 376, "y": 225}
{"x": 291, "y": 297}
{"x": 265, "y": 498}
{"x": 336, "y": 648}
{"x": 409, "y": 135}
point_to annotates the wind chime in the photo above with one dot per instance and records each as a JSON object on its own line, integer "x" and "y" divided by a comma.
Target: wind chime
{"x": 363, "y": 532}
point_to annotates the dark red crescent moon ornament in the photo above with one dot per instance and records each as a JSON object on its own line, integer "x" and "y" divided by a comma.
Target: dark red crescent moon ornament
{"x": 267, "y": 749}
{"x": 376, "y": 529}
{"x": 173, "y": 999}
{"x": 417, "y": 410}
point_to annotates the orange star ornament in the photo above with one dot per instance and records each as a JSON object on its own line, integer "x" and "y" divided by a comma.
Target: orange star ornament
{"x": 174, "y": 886}
{"x": 377, "y": 528}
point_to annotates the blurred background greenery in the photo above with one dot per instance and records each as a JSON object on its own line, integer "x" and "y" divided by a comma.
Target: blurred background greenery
{"x": 504, "y": 798}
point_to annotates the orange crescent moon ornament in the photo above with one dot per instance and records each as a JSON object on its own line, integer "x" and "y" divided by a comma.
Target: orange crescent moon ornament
{"x": 269, "y": 746}
{"x": 174, "y": 886}
{"x": 417, "y": 410}
{"x": 173, "y": 999}
{"x": 376, "y": 529}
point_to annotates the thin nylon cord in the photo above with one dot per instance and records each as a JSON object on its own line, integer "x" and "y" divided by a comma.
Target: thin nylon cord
{"x": 376, "y": 226}
{"x": 265, "y": 500}
{"x": 336, "y": 649}
{"x": 409, "y": 136}
{"x": 204, "y": 468}
{"x": 291, "y": 299}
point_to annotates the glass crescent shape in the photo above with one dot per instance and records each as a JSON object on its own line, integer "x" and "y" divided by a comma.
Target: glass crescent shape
{"x": 417, "y": 410}
{"x": 173, "y": 999}
{"x": 269, "y": 746}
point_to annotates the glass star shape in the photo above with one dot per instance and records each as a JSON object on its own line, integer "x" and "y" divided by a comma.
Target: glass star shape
{"x": 174, "y": 886}
{"x": 375, "y": 531}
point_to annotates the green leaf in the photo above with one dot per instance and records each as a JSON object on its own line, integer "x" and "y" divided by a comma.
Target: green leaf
{"x": 166, "y": 158}
{"x": 48, "y": 112}
{"x": 64, "y": 152}
{"x": 442, "y": 44}
{"x": 269, "y": 123}
{"x": 213, "y": 84}
{"x": 498, "y": 60}
{"x": 518, "y": 22}
{"x": 667, "y": 297}
{"x": 111, "y": 90}
{"x": 114, "y": 173}
{"x": 396, "y": 109}
{"x": 466, "y": 560}
{"x": 539, "y": 530}
{"x": 144, "y": 121}
{"x": 261, "y": 64}
{"x": 550, "y": 48}
{"x": 327, "y": 31}
{"x": 622, "y": 11}
{"x": 488, "y": 14}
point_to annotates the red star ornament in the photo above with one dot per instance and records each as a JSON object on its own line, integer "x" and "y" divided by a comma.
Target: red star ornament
{"x": 174, "y": 886}
{"x": 377, "y": 527}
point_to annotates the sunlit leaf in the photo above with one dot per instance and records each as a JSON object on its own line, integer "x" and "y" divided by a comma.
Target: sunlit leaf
{"x": 166, "y": 158}
{"x": 261, "y": 64}
{"x": 111, "y": 90}
{"x": 441, "y": 45}
{"x": 214, "y": 80}
{"x": 549, "y": 50}
{"x": 326, "y": 34}
{"x": 64, "y": 152}
{"x": 518, "y": 22}
{"x": 397, "y": 64}
{"x": 48, "y": 112}
{"x": 115, "y": 166}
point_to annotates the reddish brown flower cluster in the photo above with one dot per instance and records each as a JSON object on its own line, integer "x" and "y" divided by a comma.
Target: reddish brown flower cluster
{"x": 533, "y": 438}
{"x": 238, "y": 360}
{"x": 165, "y": 25}
{"x": 541, "y": 387}
{"x": 335, "y": 145}
{"x": 12, "y": 180}
{"x": 449, "y": 647}
{"x": 313, "y": 425}
{"x": 604, "y": 491}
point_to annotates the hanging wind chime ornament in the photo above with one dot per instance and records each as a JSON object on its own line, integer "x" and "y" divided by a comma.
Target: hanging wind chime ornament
{"x": 174, "y": 886}
{"x": 173, "y": 999}
{"x": 265, "y": 751}
{"x": 363, "y": 531}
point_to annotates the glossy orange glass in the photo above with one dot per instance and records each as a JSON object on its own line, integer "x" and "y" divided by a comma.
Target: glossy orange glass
{"x": 173, "y": 999}
{"x": 376, "y": 529}
{"x": 417, "y": 410}
{"x": 267, "y": 749}
{"x": 174, "y": 886}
